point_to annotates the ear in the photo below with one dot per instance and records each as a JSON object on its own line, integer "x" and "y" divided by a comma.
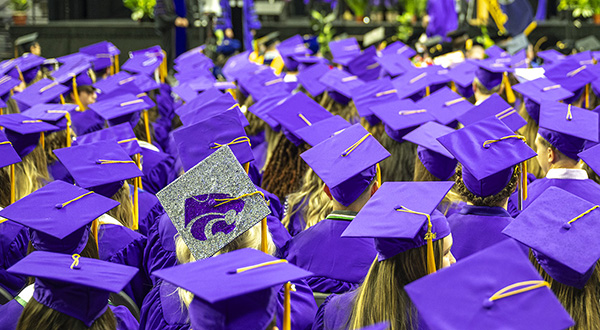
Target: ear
{"x": 474, "y": 86}
{"x": 374, "y": 188}
{"x": 327, "y": 192}
{"x": 552, "y": 156}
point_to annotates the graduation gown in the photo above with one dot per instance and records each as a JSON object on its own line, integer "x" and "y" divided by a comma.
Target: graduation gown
{"x": 159, "y": 170}
{"x": 339, "y": 264}
{"x": 150, "y": 210}
{"x": 297, "y": 222}
{"x": 13, "y": 247}
{"x": 475, "y": 228}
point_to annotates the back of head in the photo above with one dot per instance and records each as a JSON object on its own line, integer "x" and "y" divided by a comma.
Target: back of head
{"x": 40, "y": 317}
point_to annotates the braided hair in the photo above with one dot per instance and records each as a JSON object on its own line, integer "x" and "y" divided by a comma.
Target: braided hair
{"x": 284, "y": 170}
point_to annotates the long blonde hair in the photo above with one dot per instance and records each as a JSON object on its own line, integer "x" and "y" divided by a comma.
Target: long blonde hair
{"x": 27, "y": 180}
{"x": 124, "y": 211}
{"x": 529, "y": 131}
{"x": 381, "y": 297}
{"x": 311, "y": 200}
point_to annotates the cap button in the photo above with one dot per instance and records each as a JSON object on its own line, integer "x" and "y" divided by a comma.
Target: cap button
{"x": 566, "y": 226}
{"x": 487, "y": 303}
{"x": 58, "y": 206}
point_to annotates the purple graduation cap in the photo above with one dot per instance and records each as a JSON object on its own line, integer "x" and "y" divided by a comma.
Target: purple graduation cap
{"x": 76, "y": 68}
{"x": 74, "y": 57}
{"x": 198, "y": 101}
{"x": 211, "y": 134}
{"x": 122, "y": 134}
{"x": 347, "y": 162}
{"x": 321, "y": 130}
{"x": 436, "y": 159}
{"x": 239, "y": 65}
{"x": 125, "y": 83}
{"x": 551, "y": 56}
{"x": 491, "y": 73}
{"x": 365, "y": 65}
{"x": 488, "y": 151}
{"x": 395, "y": 64}
{"x": 296, "y": 112}
{"x": 536, "y": 91}
{"x": 55, "y": 114}
{"x": 412, "y": 83}
{"x": 8, "y": 155}
{"x": 210, "y": 215}
{"x": 561, "y": 229}
{"x": 7, "y": 83}
{"x": 482, "y": 292}
{"x": 103, "y": 52}
{"x": 340, "y": 84}
{"x": 519, "y": 60}
{"x": 262, "y": 108}
{"x": 190, "y": 53}
{"x": 187, "y": 91}
{"x": 237, "y": 289}
{"x": 68, "y": 210}
{"x": 567, "y": 127}
{"x": 27, "y": 67}
{"x": 401, "y": 216}
{"x": 122, "y": 108}
{"x": 590, "y": 156}
{"x": 401, "y": 117}
{"x": 194, "y": 62}
{"x": 495, "y": 52}
{"x": 570, "y": 75}
{"x": 344, "y": 51}
{"x": 101, "y": 167}
{"x": 144, "y": 61}
{"x": 24, "y": 132}
{"x": 373, "y": 93}
{"x": 76, "y": 286}
{"x": 399, "y": 48}
{"x": 262, "y": 84}
{"x": 7, "y": 65}
{"x": 445, "y": 105}
{"x": 309, "y": 78}
{"x": 43, "y": 91}
{"x": 221, "y": 104}
{"x": 463, "y": 75}
{"x": 494, "y": 106}
{"x": 290, "y": 47}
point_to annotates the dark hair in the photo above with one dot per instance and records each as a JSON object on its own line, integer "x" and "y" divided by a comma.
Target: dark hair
{"x": 40, "y": 317}
{"x": 493, "y": 200}
{"x": 400, "y": 166}
{"x": 283, "y": 174}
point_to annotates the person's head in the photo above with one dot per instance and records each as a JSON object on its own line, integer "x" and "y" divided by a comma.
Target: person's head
{"x": 482, "y": 92}
{"x": 339, "y": 198}
{"x": 38, "y": 316}
{"x": 550, "y": 157}
{"x": 400, "y": 166}
{"x": 87, "y": 95}
{"x": 498, "y": 199}
{"x": 311, "y": 201}
{"x": 284, "y": 170}
{"x": 35, "y": 49}
{"x": 476, "y": 52}
{"x": 124, "y": 211}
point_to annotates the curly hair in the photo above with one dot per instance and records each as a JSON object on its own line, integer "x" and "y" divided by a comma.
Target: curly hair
{"x": 492, "y": 200}
{"x": 284, "y": 170}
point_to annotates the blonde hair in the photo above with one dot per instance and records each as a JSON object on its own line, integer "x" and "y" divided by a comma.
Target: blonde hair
{"x": 529, "y": 131}
{"x": 27, "y": 180}
{"x": 311, "y": 200}
{"x": 124, "y": 211}
{"x": 53, "y": 141}
{"x": 250, "y": 239}
{"x": 381, "y": 297}
{"x": 38, "y": 316}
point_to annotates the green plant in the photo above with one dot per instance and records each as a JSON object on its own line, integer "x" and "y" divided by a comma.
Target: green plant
{"x": 321, "y": 25}
{"x": 484, "y": 38}
{"x": 416, "y": 8}
{"x": 405, "y": 27}
{"x": 19, "y": 5}
{"x": 580, "y": 8}
{"x": 358, "y": 7}
{"x": 140, "y": 8}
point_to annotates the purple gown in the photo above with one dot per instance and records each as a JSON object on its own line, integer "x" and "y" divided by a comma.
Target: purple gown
{"x": 59, "y": 172}
{"x": 13, "y": 247}
{"x": 124, "y": 246}
{"x": 297, "y": 223}
{"x": 150, "y": 210}
{"x": 586, "y": 189}
{"x": 160, "y": 248}
{"x": 475, "y": 228}
{"x": 159, "y": 170}
{"x": 339, "y": 264}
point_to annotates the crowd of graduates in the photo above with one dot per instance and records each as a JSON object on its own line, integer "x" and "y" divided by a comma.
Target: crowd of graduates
{"x": 383, "y": 188}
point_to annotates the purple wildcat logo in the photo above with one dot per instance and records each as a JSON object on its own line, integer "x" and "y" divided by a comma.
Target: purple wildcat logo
{"x": 200, "y": 212}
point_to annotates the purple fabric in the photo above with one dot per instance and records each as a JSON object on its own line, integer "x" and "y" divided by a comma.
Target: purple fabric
{"x": 160, "y": 248}
{"x": 9, "y": 315}
{"x": 254, "y": 174}
{"x": 334, "y": 313}
{"x": 563, "y": 273}
{"x": 162, "y": 309}
{"x": 13, "y": 247}
{"x": 322, "y": 251}
{"x": 442, "y": 18}
{"x": 489, "y": 185}
{"x": 124, "y": 246}
{"x": 59, "y": 172}
{"x": 449, "y": 209}
{"x": 150, "y": 210}
{"x": 476, "y": 228}
{"x": 437, "y": 164}
{"x": 125, "y": 321}
{"x": 297, "y": 222}
{"x": 159, "y": 170}
{"x": 567, "y": 144}
{"x": 84, "y": 122}
{"x": 75, "y": 242}
{"x": 303, "y": 306}
{"x": 348, "y": 191}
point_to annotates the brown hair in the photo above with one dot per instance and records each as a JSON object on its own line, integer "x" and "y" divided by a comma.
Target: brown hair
{"x": 256, "y": 125}
{"x": 283, "y": 173}
{"x": 39, "y": 317}
{"x": 124, "y": 211}
{"x": 400, "y": 166}
{"x": 529, "y": 131}
{"x": 492, "y": 200}
{"x": 27, "y": 180}
{"x": 53, "y": 141}
{"x": 381, "y": 297}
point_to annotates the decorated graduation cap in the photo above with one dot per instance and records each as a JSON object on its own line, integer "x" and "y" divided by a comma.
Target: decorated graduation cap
{"x": 24, "y": 133}
{"x": 105, "y": 53}
{"x": 463, "y": 75}
{"x": 401, "y": 117}
{"x": 567, "y": 127}
{"x": 539, "y": 90}
{"x": 213, "y": 203}
{"x": 122, "y": 108}
{"x": 496, "y": 288}
{"x": 237, "y": 289}
{"x": 365, "y": 66}
{"x": 122, "y": 134}
{"x": 494, "y": 106}
{"x": 321, "y": 130}
{"x": 445, "y": 105}
{"x": 76, "y": 286}
{"x": 372, "y": 93}
{"x": 488, "y": 151}
{"x": 347, "y": 162}
{"x": 344, "y": 51}
{"x": 560, "y": 229}
{"x": 296, "y": 112}
{"x": 436, "y": 159}
{"x": 211, "y": 134}
{"x": 293, "y": 46}
{"x": 394, "y": 64}
{"x": 399, "y": 48}
{"x": 68, "y": 211}
{"x": 309, "y": 78}
{"x": 340, "y": 84}
{"x": 402, "y": 216}
{"x": 43, "y": 91}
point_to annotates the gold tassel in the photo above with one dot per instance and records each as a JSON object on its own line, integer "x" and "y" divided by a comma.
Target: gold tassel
{"x": 427, "y": 91}
{"x": 135, "y": 205}
{"x": 524, "y": 180}
{"x": 147, "y": 126}
{"x": 430, "y": 256}
{"x": 287, "y": 316}
{"x": 587, "y": 96}
{"x": 510, "y": 95}
{"x": 117, "y": 64}
{"x": 42, "y": 140}
{"x": 76, "y": 94}
{"x": 62, "y": 99}
{"x": 13, "y": 193}
{"x": 453, "y": 87}
{"x": 264, "y": 247}
{"x": 68, "y": 129}
{"x": 95, "y": 231}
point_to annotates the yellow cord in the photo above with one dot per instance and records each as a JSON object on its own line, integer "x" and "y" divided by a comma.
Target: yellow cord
{"x": 582, "y": 214}
{"x": 488, "y": 142}
{"x": 355, "y": 145}
{"x": 60, "y": 206}
{"x": 227, "y": 200}
{"x": 237, "y": 140}
{"x": 75, "y": 261}
{"x": 429, "y": 236}
{"x": 264, "y": 264}
{"x": 528, "y": 286}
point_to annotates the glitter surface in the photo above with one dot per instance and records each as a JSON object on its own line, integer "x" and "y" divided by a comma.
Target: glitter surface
{"x": 190, "y": 203}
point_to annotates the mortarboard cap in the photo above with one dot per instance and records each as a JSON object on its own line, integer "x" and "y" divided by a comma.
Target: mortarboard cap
{"x": 238, "y": 66}
{"x": 43, "y": 91}
{"x": 293, "y": 46}
{"x": 321, "y": 130}
{"x": 401, "y": 117}
{"x": 77, "y": 68}
{"x": 340, "y": 84}
{"x": 519, "y": 60}
{"x": 538, "y": 91}
{"x": 7, "y": 83}
{"x": 240, "y": 286}
{"x": 309, "y": 78}
{"x": 567, "y": 127}
{"x": 468, "y": 295}
{"x": 100, "y": 167}
{"x": 262, "y": 83}
{"x": 122, "y": 134}
{"x": 399, "y": 48}
{"x": 144, "y": 61}
{"x": 198, "y": 101}
{"x": 495, "y": 52}
{"x": 55, "y": 114}
{"x": 26, "y": 66}
{"x": 488, "y": 150}
{"x": 491, "y": 73}
{"x": 24, "y": 132}
{"x": 365, "y": 65}
{"x": 26, "y": 39}
{"x": 395, "y": 64}
{"x": 76, "y": 286}
{"x": 373, "y": 93}
{"x": 413, "y": 82}
{"x": 121, "y": 108}
{"x": 590, "y": 156}
{"x": 494, "y": 106}
{"x": 445, "y": 105}
{"x": 210, "y": 215}
{"x": 189, "y": 90}
{"x": 221, "y": 104}
{"x": 103, "y": 52}
{"x": 551, "y": 56}
{"x": 211, "y": 134}
{"x": 190, "y": 53}
{"x": 436, "y": 159}
{"x": 347, "y": 162}
{"x": 389, "y": 217}
{"x": 463, "y": 75}
{"x": 8, "y": 155}
{"x": 296, "y": 112}
{"x": 561, "y": 230}
{"x": 67, "y": 210}
{"x": 344, "y": 51}
{"x": 571, "y": 75}
{"x": 125, "y": 83}
{"x": 262, "y": 108}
